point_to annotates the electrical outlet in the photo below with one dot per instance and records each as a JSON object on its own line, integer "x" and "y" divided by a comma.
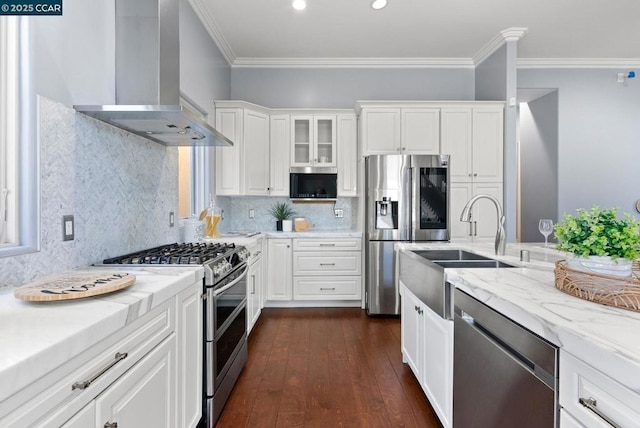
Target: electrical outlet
{"x": 252, "y": 213}
{"x": 339, "y": 213}
{"x": 67, "y": 228}
{"x": 172, "y": 219}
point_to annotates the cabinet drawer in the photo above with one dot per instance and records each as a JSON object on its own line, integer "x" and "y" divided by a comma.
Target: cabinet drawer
{"x": 319, "y": 263}
{"x": 579, "y": 380}
{"x": 323, "y": 288}
{"x": 340, "y": 244}
{"x": 61, "y": 399}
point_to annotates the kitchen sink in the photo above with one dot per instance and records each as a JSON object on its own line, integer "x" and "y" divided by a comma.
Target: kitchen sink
{"x": 450, "y": 255}
{"x": 488, "y": 263}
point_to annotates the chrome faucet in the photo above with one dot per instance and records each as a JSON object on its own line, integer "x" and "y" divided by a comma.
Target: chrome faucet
{"x": 500, "y": 233}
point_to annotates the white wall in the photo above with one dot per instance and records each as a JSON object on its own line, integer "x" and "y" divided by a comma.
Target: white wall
{"x": 599, "y": 136}
{"x": 538, "y": 164}
{"x": 342, "y": 87}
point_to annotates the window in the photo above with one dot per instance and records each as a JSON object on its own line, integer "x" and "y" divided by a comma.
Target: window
{"x": 8, "y": 127}
{"x": 19, "y": 196}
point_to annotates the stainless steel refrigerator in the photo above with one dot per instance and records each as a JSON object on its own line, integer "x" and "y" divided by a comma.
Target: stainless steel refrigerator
{"x": 407, "y": 200}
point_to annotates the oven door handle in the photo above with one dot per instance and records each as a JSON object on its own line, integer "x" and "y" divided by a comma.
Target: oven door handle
{"x": 221, "y": 290}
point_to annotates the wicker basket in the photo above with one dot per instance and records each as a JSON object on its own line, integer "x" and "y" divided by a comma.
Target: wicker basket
{"x": 607, "y": 290}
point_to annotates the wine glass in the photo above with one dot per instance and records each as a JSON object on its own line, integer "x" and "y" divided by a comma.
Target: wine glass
{"x": 545, "y": 226}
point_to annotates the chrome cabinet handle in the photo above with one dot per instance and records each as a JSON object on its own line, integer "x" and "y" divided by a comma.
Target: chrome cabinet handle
{"x": 110, "y": 425}
{"x": 475, "y": 174}
{"x": 591, "y": 403}
{"x": 253, "y": 284}
{"x": 475, "y": 228}
{"x": 85, "y": 384}
{"x": 327, "y": 264}
{"x": 327, "y": 245}
{"x": 327, "y": 289}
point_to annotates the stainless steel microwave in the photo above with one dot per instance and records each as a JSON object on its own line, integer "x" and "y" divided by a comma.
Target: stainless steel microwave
{"x": 313, "y": 183}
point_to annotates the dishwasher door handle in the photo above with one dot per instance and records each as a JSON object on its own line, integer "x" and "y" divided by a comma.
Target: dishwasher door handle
{"x": 591, "y": 404}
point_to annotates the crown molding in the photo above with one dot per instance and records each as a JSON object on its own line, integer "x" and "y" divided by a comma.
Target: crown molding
{"x": 512, "y": 34}
{"x": 578, "y": 62}
{"x": 210, "y": 24}
{"x": 353, "y": 63}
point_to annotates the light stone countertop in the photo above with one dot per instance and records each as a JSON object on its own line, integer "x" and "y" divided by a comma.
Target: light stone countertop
{"x": 38, "y": 337}
{"x": 607, "y": 338}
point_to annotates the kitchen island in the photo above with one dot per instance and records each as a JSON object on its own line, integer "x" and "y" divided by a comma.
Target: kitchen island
{"x": 604, "y": 338}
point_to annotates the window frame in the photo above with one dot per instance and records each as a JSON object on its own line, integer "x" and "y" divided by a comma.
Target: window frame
{"x": 22, "y": 176}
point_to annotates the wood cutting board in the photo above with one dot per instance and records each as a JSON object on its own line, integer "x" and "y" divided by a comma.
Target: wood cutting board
{"x": 74, "y": 286}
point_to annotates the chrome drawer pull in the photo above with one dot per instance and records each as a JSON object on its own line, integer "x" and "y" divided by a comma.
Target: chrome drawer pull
{"x": 110, "y": 425}
{"x": 327, "y": 264}
{"x": 327, "y": 245}
{"x": 591, "y": 403}
{"x": 328, "y": 289}
{"x": 85, "y": 384}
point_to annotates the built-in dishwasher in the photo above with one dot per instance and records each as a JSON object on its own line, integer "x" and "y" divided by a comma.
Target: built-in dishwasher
{"x": 503, "y": 374}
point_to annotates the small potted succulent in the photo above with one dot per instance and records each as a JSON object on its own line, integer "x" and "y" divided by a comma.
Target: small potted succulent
{"x": 600, "y": 241}
{"x": 282, "y": 213}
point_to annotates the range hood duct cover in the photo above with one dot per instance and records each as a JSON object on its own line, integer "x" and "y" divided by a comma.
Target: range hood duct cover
{"x": 148, "y": 78}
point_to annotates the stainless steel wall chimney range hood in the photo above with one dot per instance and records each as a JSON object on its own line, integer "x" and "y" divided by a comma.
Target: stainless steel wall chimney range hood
{"x": 148, "y": 78}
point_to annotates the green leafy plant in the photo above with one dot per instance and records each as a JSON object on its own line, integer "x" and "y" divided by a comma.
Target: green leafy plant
{"x": 281, "y": 211}
{"x": 599, "y": 232}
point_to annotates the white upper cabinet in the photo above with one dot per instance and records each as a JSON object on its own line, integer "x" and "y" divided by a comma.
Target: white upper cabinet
{"x": 420, "y": 132}
{"x": 280, "y": 141}
{"x": 400, "y": 130}
{"x": 473, "y": 136}
{"x": 313, "y": 140}
{"x": 244, "y": 168}
{"x": 347, "y": 155}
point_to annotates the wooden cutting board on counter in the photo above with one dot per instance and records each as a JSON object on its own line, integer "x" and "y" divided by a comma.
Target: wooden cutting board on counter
{"x": 74, "y": 286}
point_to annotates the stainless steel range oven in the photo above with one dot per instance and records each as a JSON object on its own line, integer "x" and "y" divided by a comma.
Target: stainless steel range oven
{"x": 225, "y": 320}
{"x": 226, "y": 338}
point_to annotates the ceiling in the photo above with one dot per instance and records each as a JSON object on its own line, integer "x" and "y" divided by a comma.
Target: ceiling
{"x": 451, "y": 33}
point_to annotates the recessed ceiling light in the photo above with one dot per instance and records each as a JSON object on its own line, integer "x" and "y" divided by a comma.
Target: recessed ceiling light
{"x": 299, "y": 4}
{"x": 378, "y": 4}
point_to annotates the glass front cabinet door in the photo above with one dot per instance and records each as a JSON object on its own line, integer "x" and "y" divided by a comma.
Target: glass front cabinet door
{"x": 313, "y": 141}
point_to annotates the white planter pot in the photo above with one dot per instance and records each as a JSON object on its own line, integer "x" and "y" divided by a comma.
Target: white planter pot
{"x": 287, "y": 225}
{"x": 603, "y": 265}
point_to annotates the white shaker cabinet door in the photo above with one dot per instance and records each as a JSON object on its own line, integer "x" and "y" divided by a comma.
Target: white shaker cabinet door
{"x": 380, "y": 131}
{"x": 280, "y": 269}
{"x": 279, "y": 146}
{"x": 228, "y": 166}
{"x": 145, "y": 395}
{"x": 256, "y": 153}
{"x": 456, "y": 141}
{"x": 420, "y": 133}
{"x": 488, "y": 131}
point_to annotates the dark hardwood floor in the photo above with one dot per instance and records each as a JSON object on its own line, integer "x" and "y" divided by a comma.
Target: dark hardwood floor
{"x": 326, "y": 367}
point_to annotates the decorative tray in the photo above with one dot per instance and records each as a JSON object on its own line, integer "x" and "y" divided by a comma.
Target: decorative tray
{"x": 74, "y": 286}
{"x": 604, "y": 289}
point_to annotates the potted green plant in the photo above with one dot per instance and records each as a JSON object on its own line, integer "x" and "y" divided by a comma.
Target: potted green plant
{"x": 282, "y": 211}
{"x": 600, "y": 241}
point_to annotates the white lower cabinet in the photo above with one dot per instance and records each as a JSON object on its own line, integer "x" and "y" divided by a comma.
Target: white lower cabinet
{"x": 590, "y": 398}
{"x": 314, "y": 269}
{"x": 149, "y": 373}
{"x": 254, "y": 286}
{"x": 144, "y": 395}
{"x": 279, "y": 273}
{"x": 427, "y": 347}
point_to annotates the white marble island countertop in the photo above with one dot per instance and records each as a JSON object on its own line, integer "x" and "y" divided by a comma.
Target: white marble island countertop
{"x": 37, "y": 337}
{"x": 605, "y": 337}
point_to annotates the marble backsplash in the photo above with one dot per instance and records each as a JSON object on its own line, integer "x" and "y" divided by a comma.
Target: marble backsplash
{"x": 320, "y": 215}
{"x": 119, "y": 187}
